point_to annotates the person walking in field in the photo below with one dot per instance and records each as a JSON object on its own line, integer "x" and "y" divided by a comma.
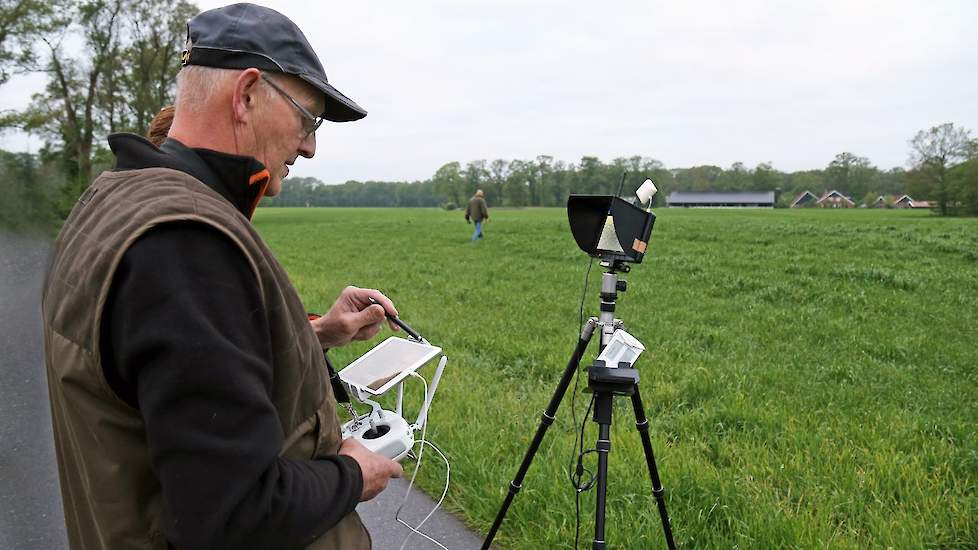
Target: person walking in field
{"x": 478, "y": 212}
{"x": 189, "y": 394}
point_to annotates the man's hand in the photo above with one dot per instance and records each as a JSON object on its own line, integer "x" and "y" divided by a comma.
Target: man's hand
{"x": 353, "y": 317}
{"x": 377, "y": 469}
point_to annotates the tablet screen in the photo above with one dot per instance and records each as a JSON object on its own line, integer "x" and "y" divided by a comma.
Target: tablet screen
{"x": 393, "y": 358}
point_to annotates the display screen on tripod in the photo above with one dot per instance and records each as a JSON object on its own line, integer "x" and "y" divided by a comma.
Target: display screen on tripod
{"x": 609, "y": 227}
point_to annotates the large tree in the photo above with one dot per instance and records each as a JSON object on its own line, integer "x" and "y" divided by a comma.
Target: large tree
{"x": 75, "y": 84}
{"x": 111, "y": 66}
{"x": 448, "y": 183}
{"x": 475, "y": 176}
{"x": 932, "y": 153}
{"x": 154, "y": 35}
{"x": 964, "y": 185}
{"x": 766, "y": 177}
{"x": 852, "y": 175}
{"x": 518, "y": 183}
{"x": 21, "y": 21}
{"x": 498, "y": 172}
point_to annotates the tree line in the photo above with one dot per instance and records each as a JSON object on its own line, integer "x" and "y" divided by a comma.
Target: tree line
{"x": 111, "y": 65}
{"x": 944, "y": 169}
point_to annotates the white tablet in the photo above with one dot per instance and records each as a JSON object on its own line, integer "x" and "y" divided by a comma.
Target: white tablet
{"x": 387, "y": 363}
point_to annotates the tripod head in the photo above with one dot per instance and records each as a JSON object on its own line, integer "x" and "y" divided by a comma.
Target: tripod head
{"x": 613, "y": 265}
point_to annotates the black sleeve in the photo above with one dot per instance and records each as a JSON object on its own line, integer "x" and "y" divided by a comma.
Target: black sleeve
{"x": 186, "y": 341}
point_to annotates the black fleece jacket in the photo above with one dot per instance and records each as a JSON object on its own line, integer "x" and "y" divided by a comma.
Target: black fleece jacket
{"x": 185, "y": 340}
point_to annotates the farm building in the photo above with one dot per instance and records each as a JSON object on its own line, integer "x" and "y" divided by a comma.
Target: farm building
{"x": 834, "y": 199}
{"x": 804, "y": 200}
{"x": 724, "y": 199}
{"x": 907, "y": 202}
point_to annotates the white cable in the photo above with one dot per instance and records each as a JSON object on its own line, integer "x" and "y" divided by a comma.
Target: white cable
{"x": 448, "y": 472}
{"x": 441, "y": 499}
{"x": 417, "y": 466}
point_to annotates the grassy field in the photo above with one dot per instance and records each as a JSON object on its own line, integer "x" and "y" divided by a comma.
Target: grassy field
{"x": 811, "y": 377}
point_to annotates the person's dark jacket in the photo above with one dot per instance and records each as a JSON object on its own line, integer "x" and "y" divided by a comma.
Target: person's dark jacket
{"x": 477, "y": 210}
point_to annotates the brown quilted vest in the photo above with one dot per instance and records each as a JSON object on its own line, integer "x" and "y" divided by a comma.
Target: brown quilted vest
{"x": 111, "y": 497}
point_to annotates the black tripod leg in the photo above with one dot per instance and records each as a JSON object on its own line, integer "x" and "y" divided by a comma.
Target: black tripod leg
{"x": 642, "y": 423}
{"x": 548, "y": 418}
{"x": 602, "y": 415}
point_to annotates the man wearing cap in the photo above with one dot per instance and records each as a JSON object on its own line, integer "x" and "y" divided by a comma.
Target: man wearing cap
{"x": 189, "y": 398}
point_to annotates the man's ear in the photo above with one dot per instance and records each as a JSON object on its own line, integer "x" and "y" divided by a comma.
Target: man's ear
{"x": 245, "y": 96}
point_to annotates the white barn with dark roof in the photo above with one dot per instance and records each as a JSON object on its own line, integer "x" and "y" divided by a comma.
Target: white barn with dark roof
{"x": 721, "y": 199}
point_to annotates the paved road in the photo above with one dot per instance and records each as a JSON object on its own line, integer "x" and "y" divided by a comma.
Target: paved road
{"x": 30, "y": 501}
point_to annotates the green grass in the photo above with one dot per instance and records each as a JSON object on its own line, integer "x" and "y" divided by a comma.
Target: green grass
{"x": 811, "y": 377}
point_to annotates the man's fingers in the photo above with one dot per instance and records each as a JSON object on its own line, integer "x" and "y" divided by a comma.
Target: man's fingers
{"x": 369, "y": 322}
{"x": 385, "y": 303}
{"x": 363, "y": 296}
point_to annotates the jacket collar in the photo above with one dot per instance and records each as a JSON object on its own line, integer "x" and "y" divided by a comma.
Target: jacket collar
{"x": 241, "y": 180}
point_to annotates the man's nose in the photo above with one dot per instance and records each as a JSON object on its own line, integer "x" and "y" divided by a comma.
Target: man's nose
{"x": 307, "y": 147}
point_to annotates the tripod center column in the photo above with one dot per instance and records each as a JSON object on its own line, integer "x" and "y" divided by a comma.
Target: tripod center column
{"x": 609, "y": 293}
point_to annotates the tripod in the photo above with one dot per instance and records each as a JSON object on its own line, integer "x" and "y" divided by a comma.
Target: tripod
{"x": 605, "y": 382}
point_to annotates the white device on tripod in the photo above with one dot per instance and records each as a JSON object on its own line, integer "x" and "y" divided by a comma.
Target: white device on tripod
{"x": 623, "y": 348}
{"x": 378, "y": 371}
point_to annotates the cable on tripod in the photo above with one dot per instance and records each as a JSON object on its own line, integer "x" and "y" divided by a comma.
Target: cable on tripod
{"x": 575, "y": 467}
{"x": 580, "y": 324}
{"x": 579, "y": 472}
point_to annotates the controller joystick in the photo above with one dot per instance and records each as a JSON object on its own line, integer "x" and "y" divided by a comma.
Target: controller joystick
{"x": 374, "y": 433}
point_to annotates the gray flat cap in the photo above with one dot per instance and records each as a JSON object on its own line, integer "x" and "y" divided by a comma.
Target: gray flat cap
{"x": 242, "y": 36}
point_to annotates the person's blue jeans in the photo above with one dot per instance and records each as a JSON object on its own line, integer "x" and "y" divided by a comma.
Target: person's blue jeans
{"x": 477, "y": 234}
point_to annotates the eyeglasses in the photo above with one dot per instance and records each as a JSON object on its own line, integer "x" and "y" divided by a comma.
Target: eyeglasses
{"x": 310, "y": 123}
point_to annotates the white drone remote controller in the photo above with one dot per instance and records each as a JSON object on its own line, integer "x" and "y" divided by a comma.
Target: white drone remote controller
{"x": 381, "y": 369}
{"x": 383, "y": 432}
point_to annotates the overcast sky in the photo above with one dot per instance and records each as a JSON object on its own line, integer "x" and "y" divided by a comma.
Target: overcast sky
{"x": 792, "y": 83}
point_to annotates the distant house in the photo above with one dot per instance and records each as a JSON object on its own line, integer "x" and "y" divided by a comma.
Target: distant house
{"x": 721, "y": 199}
{"x": 903, "y": 202}
{"x": 804, "y": 200}
{"x": 834, "y": 199}
{"x": 907, "y": 202}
